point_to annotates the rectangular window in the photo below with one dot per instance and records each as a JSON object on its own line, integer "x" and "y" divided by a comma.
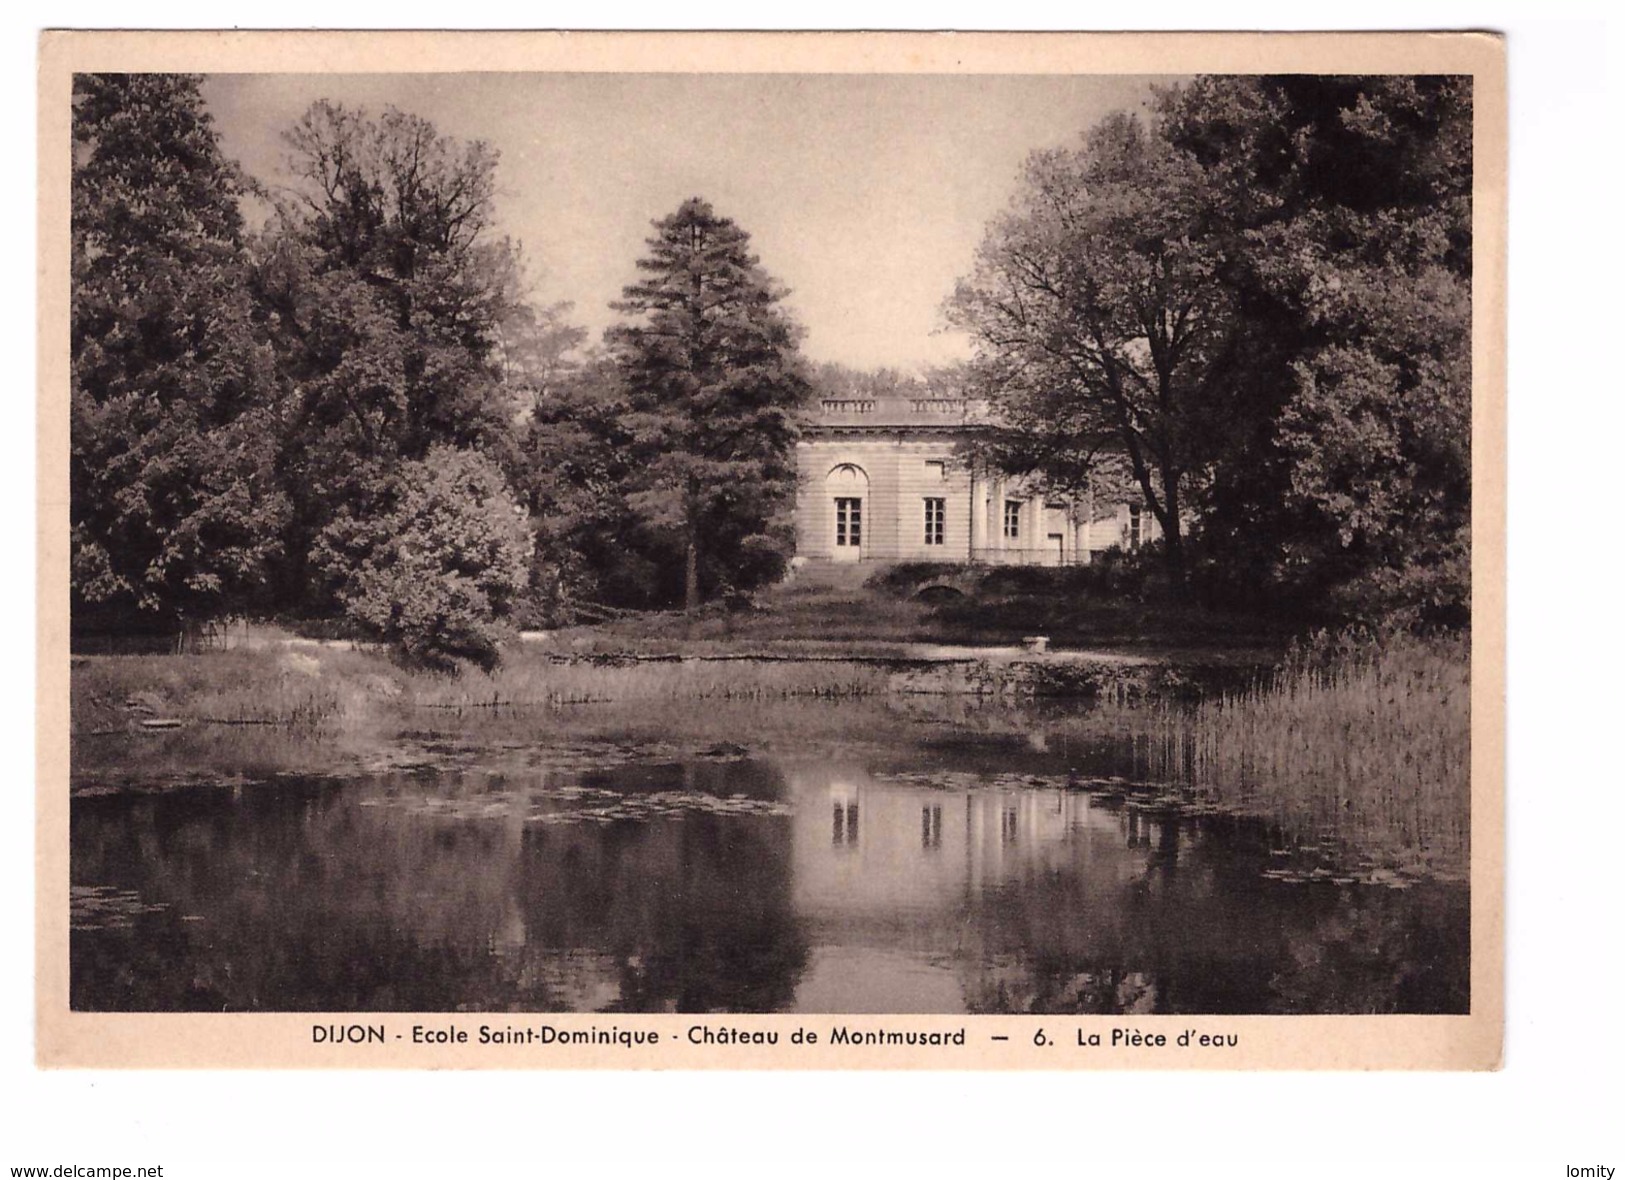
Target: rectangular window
{"x": 1012, "y": 520}
{"x": 848, "y": 521}
{"x": 936, "y": 510}
{"x": 1136, "y": 527}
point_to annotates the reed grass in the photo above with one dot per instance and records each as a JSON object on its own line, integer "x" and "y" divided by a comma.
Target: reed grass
{"x": 1367, "y": 747}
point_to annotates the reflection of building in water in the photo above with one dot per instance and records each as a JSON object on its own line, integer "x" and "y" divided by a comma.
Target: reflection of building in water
{"x": 931, "y": 827}
{"x": 906, "y": 875}
{"x": 1144, "y": 831}
{"x": 992, "y": 898}
{"x": 844, "y": 805}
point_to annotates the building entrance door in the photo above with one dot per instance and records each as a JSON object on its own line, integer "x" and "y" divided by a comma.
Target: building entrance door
{"x": 848, "y": 528}
{"x": 1055, "y": 551}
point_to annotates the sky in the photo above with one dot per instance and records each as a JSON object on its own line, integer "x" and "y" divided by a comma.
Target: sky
{"x": 865, "y": 195}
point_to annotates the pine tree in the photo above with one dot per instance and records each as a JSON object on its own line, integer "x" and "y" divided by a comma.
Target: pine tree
{"x": 714, "y": 380}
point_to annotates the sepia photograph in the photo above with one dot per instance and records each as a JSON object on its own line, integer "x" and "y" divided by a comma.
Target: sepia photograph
{"x": 606, "y": 543}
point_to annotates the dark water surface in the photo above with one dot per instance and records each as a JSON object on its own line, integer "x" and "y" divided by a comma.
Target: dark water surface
{"x": 953, "y": 872}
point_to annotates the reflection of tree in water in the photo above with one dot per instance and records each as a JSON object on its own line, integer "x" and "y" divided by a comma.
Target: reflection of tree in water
{"x": 1051, "y": 943}
{"x": 304, "y": 902}
{"x": 1203, "y": 932}
{"x": 301, "y": 898}
{"x": 1361, "y": 958}
{"x": 1019, "y": 987}
{"x": 695, "y": 914}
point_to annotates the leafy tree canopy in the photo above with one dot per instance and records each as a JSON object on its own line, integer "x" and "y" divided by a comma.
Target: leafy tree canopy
{"x": 445, "y": 570}
{"x": 397, "y": 310}
{"x": 173, "y": 390}
{"x": 1348, "y": 202}
{"x": 1261, "y": 302}
{"x": 1100, "y": 319}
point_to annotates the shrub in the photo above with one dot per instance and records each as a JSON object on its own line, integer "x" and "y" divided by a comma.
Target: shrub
{"x": 450, "y": 566}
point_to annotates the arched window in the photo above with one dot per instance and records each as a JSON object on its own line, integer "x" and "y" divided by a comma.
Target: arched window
{"x": 847, "y": 485}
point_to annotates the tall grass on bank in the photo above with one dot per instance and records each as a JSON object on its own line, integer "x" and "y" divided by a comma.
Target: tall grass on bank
{"x": 317, "y": 688}
{"x": 1367, "y": 746}
{"x": 537, "y": 681}
{"x": 112, "y": 693}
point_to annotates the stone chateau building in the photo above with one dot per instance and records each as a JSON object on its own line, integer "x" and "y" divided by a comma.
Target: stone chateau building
{"x": 879, "y": 480}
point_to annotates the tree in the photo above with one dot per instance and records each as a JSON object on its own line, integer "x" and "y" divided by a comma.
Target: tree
{"x": 713, "y": 381}
{"x": 833, "y": 379}
{"x": 1100, "y": 323}
{"x": 578, "y": 469}
{"x": 538, "y": 350}
{"x": 387, "y": 291}
{"x": 174, "y": 511}
{"x": 1263, "y": 304}
{"x": 445, "y": 569}
{"x": 1346, "y": 202}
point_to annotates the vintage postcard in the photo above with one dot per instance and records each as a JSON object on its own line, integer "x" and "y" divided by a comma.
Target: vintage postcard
{"x": 798, "y": 551}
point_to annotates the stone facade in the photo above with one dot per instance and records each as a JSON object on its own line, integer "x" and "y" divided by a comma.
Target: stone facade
{"x": 880, "y": 479}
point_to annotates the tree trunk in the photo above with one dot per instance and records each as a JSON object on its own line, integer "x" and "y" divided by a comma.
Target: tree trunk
{"x": 1165, "y": 510}
{"x": 691, "y": 576}
{"x": 1173, "y": 540}
{"x": 1173, "y": 549}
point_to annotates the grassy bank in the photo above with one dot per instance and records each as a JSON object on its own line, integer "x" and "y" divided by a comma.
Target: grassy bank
{"x": 881, "y": 610}
{"x": 264, "y": 687}
{"x": 329, "y": 688}
{"x": 537, "y": 679}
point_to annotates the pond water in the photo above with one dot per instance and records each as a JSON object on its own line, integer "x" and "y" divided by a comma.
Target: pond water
{"x": 939, "y": 868}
